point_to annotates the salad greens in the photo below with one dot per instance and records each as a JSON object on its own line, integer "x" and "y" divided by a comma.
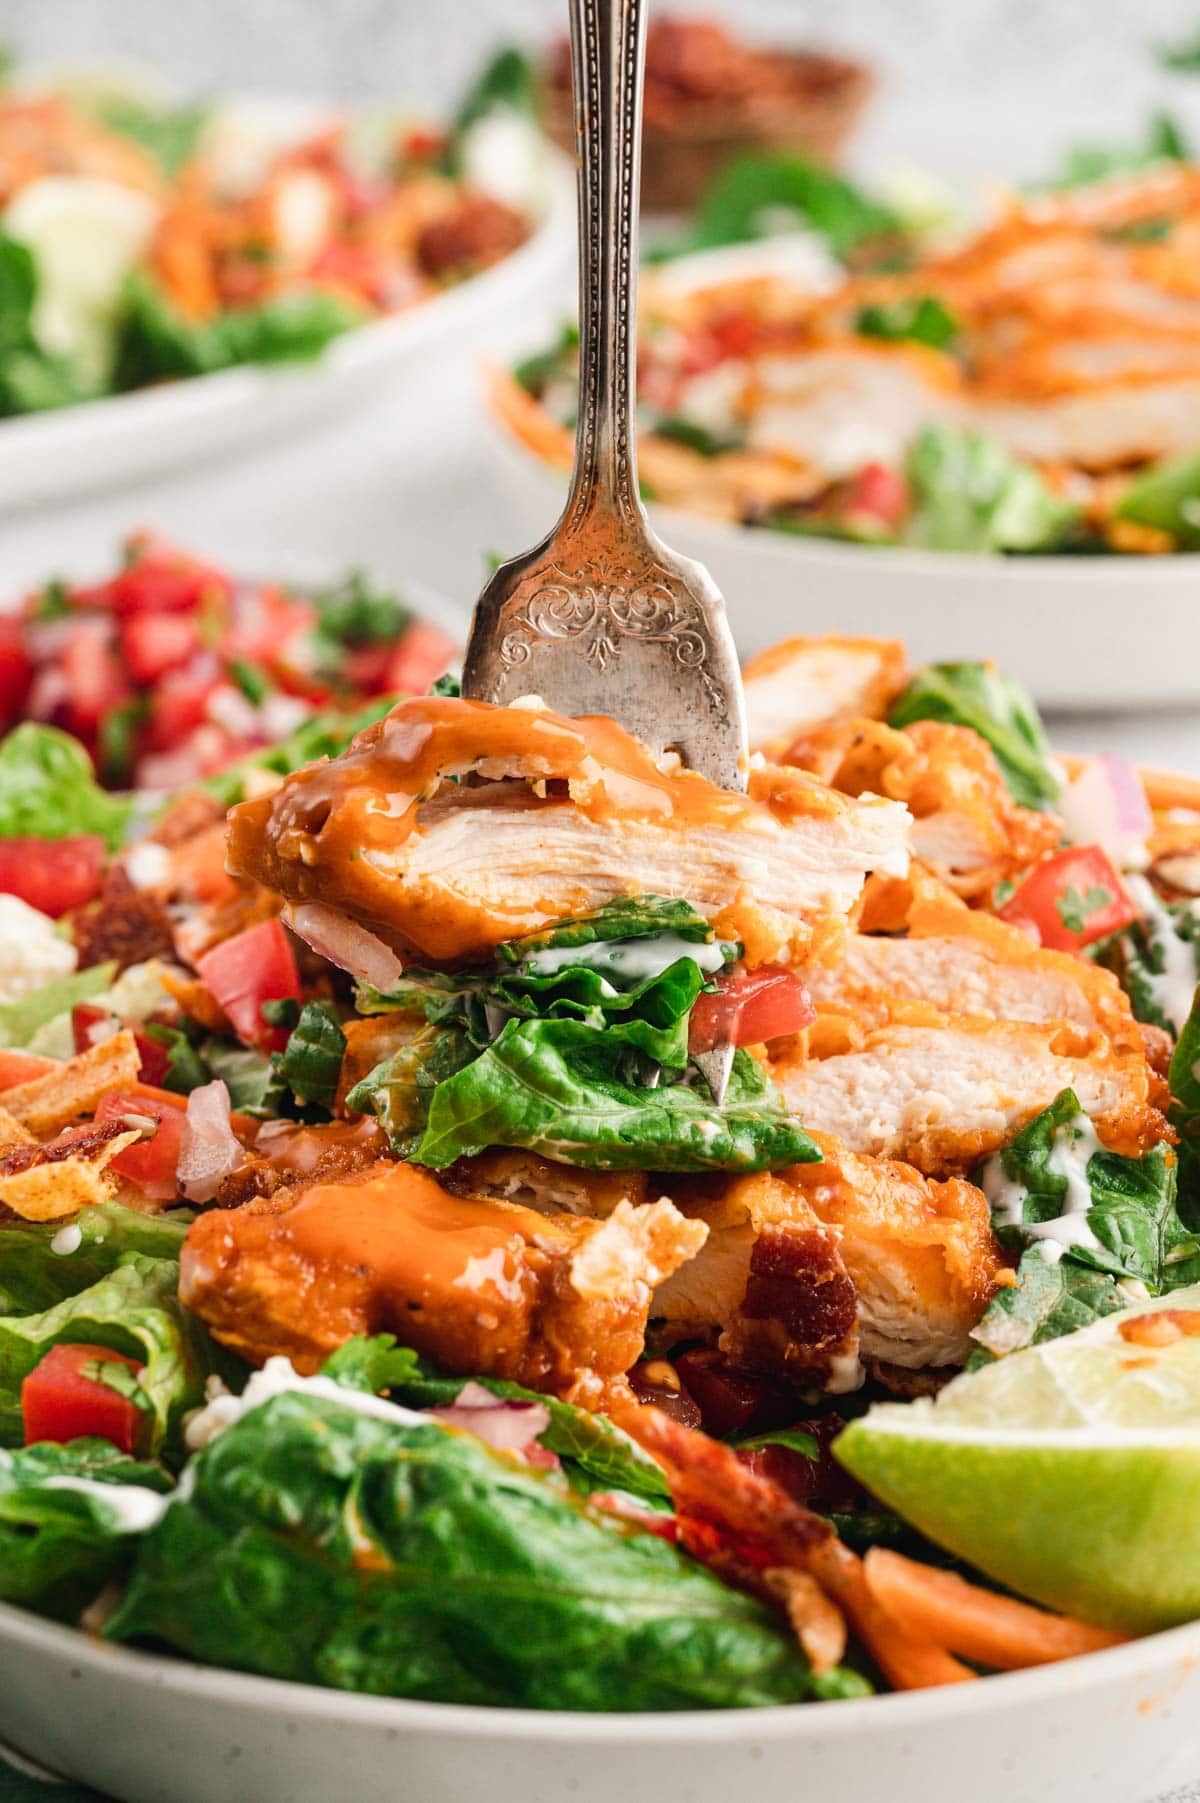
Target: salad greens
{"x": 1164, "y": 141}
{"x": 1156, "y": 959}
{"x": 156, "y": 342}
{"x": 171, "y": 134}
{"x": 1130, "y": 1231}
{"x": 134, "y": 1309}
{"x": 35, "y": 1278}
{"x": 48, "y": 789}
{"x": 999, "y": 709}
{"x": 508, "y": 83}
{"x": 31, "y": 379}
{"x": 321, "y": 736}
{"x": 60, "y": 1546}
{"x": 923, "y": 319}
{"x": 593, "y": 1453}
{"x": 574, "y": 1042}
{"x": 755, "y": 196}
{"x": 21, "y": 1020}
{"x": 327, "y": 1546}
{"x": 1167, "y": 497}
{"x": 971, "y": 494}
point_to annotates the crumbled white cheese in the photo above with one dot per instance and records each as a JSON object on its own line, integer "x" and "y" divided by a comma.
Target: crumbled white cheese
{"x": 31, "y": 950}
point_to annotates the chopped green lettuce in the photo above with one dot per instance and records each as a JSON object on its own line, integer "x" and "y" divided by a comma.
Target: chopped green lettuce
{"x": 48, "y": 790}
{"x": 34, "y": 1277}
{"x": 133, "y": 1309}
{"x": 156, "y": 342}
{"x": 1130, "y": 1232}
{"x": 755, "y": 196}
{"x": 971, "y": 494}
{"x": 59, "y": 1546}
{"x": 21, "y": 1021}
{"x": 919, "y": 319}
{"x": 1167, "y": 497}
{"x": 999, "y": 709}
{"x": 594, "y": 1454}
{"x": 31, "y": 378}
{"x": 322, "y": 1545}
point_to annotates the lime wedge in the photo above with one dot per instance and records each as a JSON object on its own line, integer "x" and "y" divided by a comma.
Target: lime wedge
{"x": 1069, "y": 1472}
{"x": 86, "y": 234}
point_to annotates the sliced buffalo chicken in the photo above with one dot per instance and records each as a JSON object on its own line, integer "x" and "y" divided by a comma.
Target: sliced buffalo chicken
{"x": 480, "y": 1287}
{"x": 452, "y": 825}
{"x": 804, "y": 683}
{"x": 966, "y": 826}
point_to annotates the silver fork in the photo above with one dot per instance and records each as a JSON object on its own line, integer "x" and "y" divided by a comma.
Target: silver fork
{"x": 600, "y": 617}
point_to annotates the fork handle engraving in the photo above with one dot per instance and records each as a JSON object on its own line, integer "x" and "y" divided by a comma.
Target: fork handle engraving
{"x": 607, "y": 55}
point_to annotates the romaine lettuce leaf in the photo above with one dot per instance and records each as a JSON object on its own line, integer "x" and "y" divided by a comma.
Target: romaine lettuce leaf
{"x": 324, "y": 1546}
{"x": 999, "y": 709}
{"x": 1132, "y": 1232}
{"x": 133, "y": 1309}
{"x": 1167, "y": 496}
{"x": 157, "y": 343}
{"x": 917, "y": 319}
{"x": 59, "y": 1547}
{"x": 755, "y": 196}
{"x": 47, "y": 789}
{"x": 594, "y": 1454}
{"x": 971, "y": 494}
{"x": 22, "y": 1019}
{"x": 558, "y": 1087}
{"x": 34, "y": 1277}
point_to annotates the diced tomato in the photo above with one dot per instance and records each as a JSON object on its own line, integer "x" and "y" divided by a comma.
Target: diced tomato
{"x": 265, "y": 622}
{"x": 1071, "y": 899}
{"x": 422, "y": 655}
{"x": 157, "y": 579}
{"x": 753, "y": 1006}
{"x": 242, "y": 973}
{"x": 181, "y": 704}
{"x": 91, "y": 1026}
{"x": 877, "y": 494}
{"x": 362, "y": 268}
{"x": 53, "y": 875}
{"x": 422, "y": 143}
{"x": 153, "y": 643}
{"x": 16, "y": 672}
{"x": 23, "y": 1067}
{"x": 60, "y": 1402}
{"x": 151, "y": 1163}
{"x": 94, "y": 681}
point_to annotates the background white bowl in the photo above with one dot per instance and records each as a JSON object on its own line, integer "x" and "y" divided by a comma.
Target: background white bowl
{"x": 1118, "y": 1727}
{"x": 1081, "y": 632}
{"x": 69, "y": 450}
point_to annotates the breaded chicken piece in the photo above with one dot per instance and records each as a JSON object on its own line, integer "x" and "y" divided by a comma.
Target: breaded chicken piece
{"x": 942, "y": 1091}
{"x": 452, "y": 825}
{"x": 921, "y": 1254}
{"x": 960, "y": 961}
{"x": 803, "y": 683}
{"x": 480, "y": 1287}
{"x": 966, "y": 826}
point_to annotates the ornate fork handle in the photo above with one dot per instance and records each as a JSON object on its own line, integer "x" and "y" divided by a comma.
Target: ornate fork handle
{"x": 607, "y": 51}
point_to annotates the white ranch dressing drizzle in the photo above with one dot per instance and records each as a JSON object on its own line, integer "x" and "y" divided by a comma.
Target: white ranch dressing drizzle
{"x": 635, "y": 960}
{"x": 68, "y": 1239}
{"x": 1070, "y": 1154}
{"x": 278, "y": 1378}
{"x": 135, "y": 1508}
{"x": 1174, "y": 987}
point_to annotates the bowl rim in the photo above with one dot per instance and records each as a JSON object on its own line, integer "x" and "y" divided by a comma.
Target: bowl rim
{"x": 1143, "y": 1660}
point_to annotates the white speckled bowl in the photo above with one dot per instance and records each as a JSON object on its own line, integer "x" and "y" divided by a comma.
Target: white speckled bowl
{"x": 1118, "y": 1727}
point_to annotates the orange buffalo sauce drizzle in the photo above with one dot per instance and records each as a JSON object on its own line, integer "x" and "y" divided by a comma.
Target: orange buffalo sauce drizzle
{"x": 395, "y": 765}
{"x": 412, "y": 1238}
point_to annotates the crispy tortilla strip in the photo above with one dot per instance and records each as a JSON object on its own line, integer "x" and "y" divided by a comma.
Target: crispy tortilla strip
{"x": 12, "y": 1133}
{"x": 47, "y": 1183}
{"x": 74, "y": 1089}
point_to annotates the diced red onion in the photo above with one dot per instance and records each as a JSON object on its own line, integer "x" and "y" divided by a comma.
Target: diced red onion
{"x": 209, "y": 1149}
{"x": 346, "y": 944}
{"x": 1106, "y": 805}
{"x": 505, "y": 1426}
